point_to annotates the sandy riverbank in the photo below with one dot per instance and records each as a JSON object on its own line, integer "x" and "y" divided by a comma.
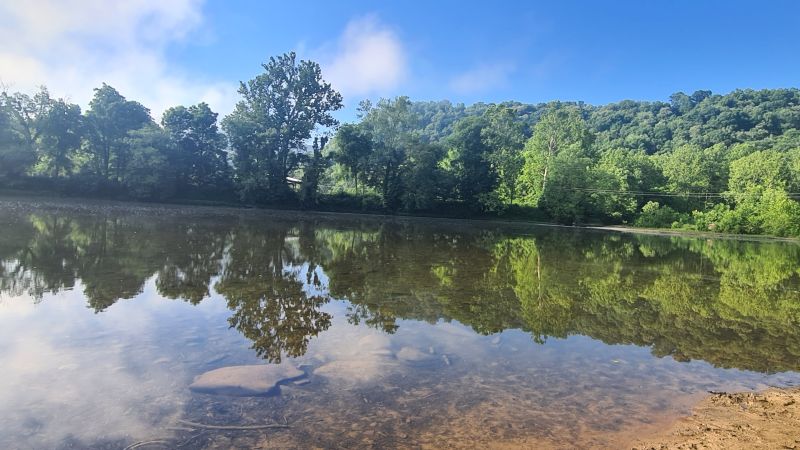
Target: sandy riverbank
{"x": 762, "y": 420}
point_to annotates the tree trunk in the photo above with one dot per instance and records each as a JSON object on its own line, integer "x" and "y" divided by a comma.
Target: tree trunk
{"x": 551, "y": 149}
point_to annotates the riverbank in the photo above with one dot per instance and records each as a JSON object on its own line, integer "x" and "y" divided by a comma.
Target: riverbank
{"x": 746, "y": 420}
{"x": 7, "y": 194}
{"x": 690, "y": 233}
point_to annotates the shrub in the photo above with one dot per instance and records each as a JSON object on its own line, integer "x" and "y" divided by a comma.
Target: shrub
{"x": 654, "y": 215}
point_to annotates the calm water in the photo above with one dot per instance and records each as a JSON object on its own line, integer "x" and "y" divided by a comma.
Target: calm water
{"x": 411, "y": 333}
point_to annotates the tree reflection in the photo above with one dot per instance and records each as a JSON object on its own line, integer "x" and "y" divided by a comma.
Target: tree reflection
{"x": 731, "y": 303}
{"x": 263, "y": 285}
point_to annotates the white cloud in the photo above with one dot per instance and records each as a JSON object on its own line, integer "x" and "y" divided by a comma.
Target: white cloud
{"x": 369, "y": 58}
{"x": 482, "y": 78}
{"x": 73, "y": 46}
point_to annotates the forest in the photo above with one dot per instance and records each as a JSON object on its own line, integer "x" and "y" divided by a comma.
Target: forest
{"x": 702, "y": 161}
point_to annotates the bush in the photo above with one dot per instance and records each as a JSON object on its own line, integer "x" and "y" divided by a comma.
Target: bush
{"x": 654, "y": 215}
{"x": 721, "y": 219}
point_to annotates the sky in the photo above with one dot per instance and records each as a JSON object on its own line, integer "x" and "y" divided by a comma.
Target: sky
{"x": 164, "y": 53}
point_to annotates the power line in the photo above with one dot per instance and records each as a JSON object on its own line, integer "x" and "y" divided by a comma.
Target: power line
{"x": 663, "y": 194}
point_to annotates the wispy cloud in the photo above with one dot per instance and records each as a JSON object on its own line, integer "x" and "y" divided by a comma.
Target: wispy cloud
{"x": 548, "y": 66}
{"x": 482, "y": 78}
{"x": 73, "y": 46}
{"x": 368, "y": 58}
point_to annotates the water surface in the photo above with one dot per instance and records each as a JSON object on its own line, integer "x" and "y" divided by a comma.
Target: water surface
{"x": 518, "y": 335}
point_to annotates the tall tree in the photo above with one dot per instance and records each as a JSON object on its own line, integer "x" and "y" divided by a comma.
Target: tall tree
{"x": 392, "y": 125}
{"x": 467, "y": 161}
{"x": 61, "y": 134}
{"x": 28, "y": 113}
{"x": 15, "y": 156}
{"x": 23, "y": 116}
{"x": 110, "y": 117}
{"x": 201, "y": 159}
{"x": 148, "y": 174}
{"x": 557, "y": 162}
{"x": 271, "y": 125}
{"x": 314, "y": 166}
{"x": 422, "y": 176}
{"x": 695, "y": 172}
{"x": 352, "y": 148}
{"x": 504, "y": 135}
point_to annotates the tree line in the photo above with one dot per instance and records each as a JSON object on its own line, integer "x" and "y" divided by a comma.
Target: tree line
{"x": 727, "y": 163}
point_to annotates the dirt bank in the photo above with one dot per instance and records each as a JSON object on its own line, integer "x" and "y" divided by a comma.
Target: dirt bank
{"x": 765, "y": 420}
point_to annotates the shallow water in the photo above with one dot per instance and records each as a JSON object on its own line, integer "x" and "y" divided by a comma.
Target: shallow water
{"x": 411, "y": 332}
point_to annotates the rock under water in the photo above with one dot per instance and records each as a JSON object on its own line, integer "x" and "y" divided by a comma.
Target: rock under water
{"x": 246, "y": 381}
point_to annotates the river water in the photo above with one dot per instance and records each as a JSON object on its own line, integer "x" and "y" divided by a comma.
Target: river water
{"x": 410, "y": 333}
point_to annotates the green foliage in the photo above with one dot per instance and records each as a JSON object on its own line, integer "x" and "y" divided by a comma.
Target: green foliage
{"x": 271, "y": 124}
{"x": 15, "y": 157}
{"x": 62, "y": 132}
{"x": 504, "y": 135}
{"x": 654, "y": 215}
{"x": 466, "y": 163}
{"x": 21, "y": 117}
{"x": 147, "y": 172}
{"x": 352, "y": 148}
{"x": 422, "y": 176}
{"x": 110, "y": 118}
{"x": 695, "y": 172}
{"x": 728, "y": 163}
{"x": 621, "y": 175}
{"x": 313, "y": 170}
{"x": 767, "y": 169}
{"x": 391, "y": 123}
{"x": 200, "y": 160}
{"x": 556, "y": 173}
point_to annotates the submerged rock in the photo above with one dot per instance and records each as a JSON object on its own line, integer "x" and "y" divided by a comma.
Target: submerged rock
{"x": 356, "y": 370}
{"x": 374, "y": 343}
{"x": 245, "y": 381}
{"x": 412, "y": 354}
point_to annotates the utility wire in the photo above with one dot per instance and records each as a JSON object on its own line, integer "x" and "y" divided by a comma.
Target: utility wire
{"x": 663, "y": 194}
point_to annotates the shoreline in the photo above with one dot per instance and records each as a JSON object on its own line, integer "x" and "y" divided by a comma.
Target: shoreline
{"x": 692, "y": 234}
{"x": 664, "y": 232}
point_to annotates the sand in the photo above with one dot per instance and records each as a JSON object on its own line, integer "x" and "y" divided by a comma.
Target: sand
{"x": 762, "y": 420}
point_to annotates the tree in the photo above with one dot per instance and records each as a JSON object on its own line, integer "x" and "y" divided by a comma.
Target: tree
{"x": 505, "y": 138}
{"x": 21, "y": 120}
{"x": 15, "y": 156}
{"x": 557, "y": 162}
{"x": 148, "y": 174}
{"x": 695, "y": 172}
{"x": 352, "y": 148}
{"x": 314, "y": 167}
{"x": 422, "y": 178}
{"x": 758, "y": 188}
{"x": 624, "y": 175}
{"x": 110, "y": 117}
{"x": 467, "y": 161}
{"x": 271, "y": 125}
{"x": 767, "y": 169}
{"x": 201, "y": 159}
{"x": 392, "y": 125}
{"x": 61, "y": 135}
{"x": 28, "y": 113}
{"x": 263, "y": 285}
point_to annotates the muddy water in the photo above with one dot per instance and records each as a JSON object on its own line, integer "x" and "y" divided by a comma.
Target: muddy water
{"x": 412, "y": 333}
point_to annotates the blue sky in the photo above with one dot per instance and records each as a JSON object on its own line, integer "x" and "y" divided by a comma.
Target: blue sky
{"x": 184, "y": 51}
